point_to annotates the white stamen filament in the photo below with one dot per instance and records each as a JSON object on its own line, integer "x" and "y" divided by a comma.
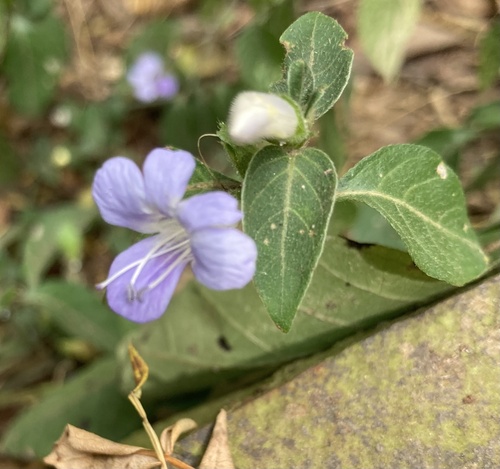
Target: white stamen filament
{"x": 139, "y": 264}
{"x": 161, "y": 242}
{"x": 185, "y": 256}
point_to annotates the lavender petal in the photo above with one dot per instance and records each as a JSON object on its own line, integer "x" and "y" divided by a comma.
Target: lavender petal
{"x": 146, "y": 92}
{"x": 147, "y": 66}
{"x": 224, "y": 258}
{"x": 166, "y": 176}
{"x": 166, "y": 86}
{"x": 152, "y": 303}
{"x": 118, "y": 191}
{"x": 213, "y": 209}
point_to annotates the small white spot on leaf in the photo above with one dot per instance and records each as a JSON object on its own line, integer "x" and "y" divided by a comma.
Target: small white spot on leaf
{"x": 442, "y": 171}
{"x": 273, "y": 226}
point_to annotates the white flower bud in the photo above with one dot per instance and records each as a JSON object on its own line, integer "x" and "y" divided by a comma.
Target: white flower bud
{"x": 255, "y": 116}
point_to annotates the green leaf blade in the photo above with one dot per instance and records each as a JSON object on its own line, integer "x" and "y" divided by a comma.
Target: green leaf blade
{"x": 287, "y": 201}
{"x": 318, "y": 41}
{"x": 42, "y": 47}
{"x": 87, "y": 400}
{"x": 422, "y": 199}
{"x": 80, "y": 313}
{"x": 385, "y": 27}
{"x": 353, "y": 287}
{"x": 259, "y": 57}
{"x": 489, "y": 55}
{"x": 43, "y": 242}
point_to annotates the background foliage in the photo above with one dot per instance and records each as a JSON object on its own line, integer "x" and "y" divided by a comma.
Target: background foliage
{"x": 65, "y": 107}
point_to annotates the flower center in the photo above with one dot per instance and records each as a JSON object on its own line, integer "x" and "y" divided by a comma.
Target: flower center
{"x": 172, "y": 244}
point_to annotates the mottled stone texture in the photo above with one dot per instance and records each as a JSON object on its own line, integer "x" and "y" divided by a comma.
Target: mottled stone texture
{"x": 423, "y": 392}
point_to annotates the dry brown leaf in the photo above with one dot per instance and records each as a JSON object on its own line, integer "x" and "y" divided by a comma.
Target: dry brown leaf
{"x": 79, "y": 449}
{"x": 171, "y": 434}
{"x": 140, "y": 369}
{"x": 217, "y": 454}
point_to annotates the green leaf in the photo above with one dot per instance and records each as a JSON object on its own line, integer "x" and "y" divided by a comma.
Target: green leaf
{"x": 193, "y": 116}
{"x": 422, "y": 199}
{"x": 332, "y": 136}
{"x": 384, "y": 27}
{"x": 205, "y": 179}
{"x": 96, "y": 126}
{"x": 33, "y": 10}
{"x": 300, "y": 82}
{"x": 370, "y": 227}
{"x": 4, "y": 25}
{"x": 318, "y": 41}
{"x": 209, "y": 338}
{"x": 485, "y": 117}
{"x": 91, "y": 401}
{"x": 80, "y": 313}
{"x": 157, "y": 37}
{"x": 287, "y": 201}
{"x": 34, "y": 57}
{"x": 42, "y": 243}
{"x": 484, "y": 174}
{"x": 448, "y": 143}
{"x": 259, "y": 57}
{"x": 240, "y": 155}
{"x": 489, "y": 55}
{"x": 10, "y": 163}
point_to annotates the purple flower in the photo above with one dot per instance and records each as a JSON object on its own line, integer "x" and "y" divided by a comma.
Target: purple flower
{"x": 149, "y": 80}
{"x": 199, "y": 231}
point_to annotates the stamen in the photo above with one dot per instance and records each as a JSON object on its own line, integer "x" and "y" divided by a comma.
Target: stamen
{"x": 186, "y": 256}
{"x": 137, "y": 263}
{"x": 130, "y": 294}
{"x": 139, "y": 294}
{"x": 161, "y": 242}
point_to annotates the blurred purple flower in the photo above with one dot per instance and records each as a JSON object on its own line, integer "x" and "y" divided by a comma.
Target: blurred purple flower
{"x": 149, "y": 80}
{"x": 199, "y": 231}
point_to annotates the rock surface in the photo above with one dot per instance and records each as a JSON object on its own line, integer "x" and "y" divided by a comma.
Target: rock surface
{"x": 421, "y": 392}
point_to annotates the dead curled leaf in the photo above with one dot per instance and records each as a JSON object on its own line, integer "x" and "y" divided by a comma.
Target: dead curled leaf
{"x": 218, "y": 454}
{"x": 171, "y": 434}
{"x": 79, "y": 449}
{"x": 140, "y": 369}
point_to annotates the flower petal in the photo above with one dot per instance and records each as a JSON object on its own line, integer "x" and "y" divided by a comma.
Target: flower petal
{"x": 224, "y": 258}
{"x": 152, "y": 303}
{"x": 254, "y": 116}
{"x": 166, "y": 176}
{"x": 118, "y": 191}
{"x": 146, "y": 92}
{"x": 147, "y": 66}
{"x": 213, "y": 209}
{"x": 167, "y": 86}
